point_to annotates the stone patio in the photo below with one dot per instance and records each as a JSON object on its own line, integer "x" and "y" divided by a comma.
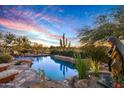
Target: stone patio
{"x": 26, "y": 75}
{"x": 29, "y": 78}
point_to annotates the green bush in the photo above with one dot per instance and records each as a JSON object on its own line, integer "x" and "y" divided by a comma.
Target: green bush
{"x": 90, "y": 51}
{"x": 82, "y": 67}
{"x": 95, "y": 53}
{"x": 69, "y": 53}
{"x": 5, "y": 58}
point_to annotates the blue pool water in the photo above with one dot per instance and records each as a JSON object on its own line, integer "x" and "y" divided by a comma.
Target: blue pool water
{"x": 54, "y": 69}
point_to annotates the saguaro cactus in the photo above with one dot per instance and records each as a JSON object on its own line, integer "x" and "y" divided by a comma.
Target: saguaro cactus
{"x": 64, "y": 43}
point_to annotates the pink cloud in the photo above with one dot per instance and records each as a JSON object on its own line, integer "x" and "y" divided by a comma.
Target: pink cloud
{"x": 25, "y": 27}
{"x": 20, "y": 26}
{"x": 26, "y": 22}
{"x": 22, "y": 14}
{"x": 41, "y": 14}
{"x": 51, "y": 19}
{"x": 14, "y": 11}
{"x": 38, "y": 15}
{"x": 29, "y": 27}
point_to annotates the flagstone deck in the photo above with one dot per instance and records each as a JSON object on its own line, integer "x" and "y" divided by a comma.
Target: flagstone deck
{"x": 4, "y": 66}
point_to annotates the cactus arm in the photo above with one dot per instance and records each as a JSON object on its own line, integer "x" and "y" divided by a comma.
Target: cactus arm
{"x": 61, "y": 43}
{"x": 64, "y": 40}
{"x": 69, "y": 44}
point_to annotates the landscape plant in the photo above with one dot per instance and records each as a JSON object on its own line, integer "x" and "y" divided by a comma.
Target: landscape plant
{"x": 41, "y": 74}
{"x": 5, "y": 58}
{"x": 66, "y": 52}
{"x": 81, "y": 66}
{"x": 95, "y": 67}
{"x": 97, "y": 55}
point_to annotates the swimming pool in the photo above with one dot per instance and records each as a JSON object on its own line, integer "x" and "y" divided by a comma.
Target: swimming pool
{"x": 54, "y": 69}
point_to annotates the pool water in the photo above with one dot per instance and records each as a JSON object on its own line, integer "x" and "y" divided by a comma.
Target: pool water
{"x": 54, "y": 69}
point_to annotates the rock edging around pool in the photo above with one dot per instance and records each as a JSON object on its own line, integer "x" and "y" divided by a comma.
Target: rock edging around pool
{"x": 64, "y": 58}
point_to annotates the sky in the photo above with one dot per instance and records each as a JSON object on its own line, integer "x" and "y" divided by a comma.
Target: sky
{"x": 46, "y": 24}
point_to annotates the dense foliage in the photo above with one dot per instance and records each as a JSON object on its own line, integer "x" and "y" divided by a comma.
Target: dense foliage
{"x": 105, "y": 26}
{"x": 69, "y": 53}
{"x": 5, "y": 58}
{"x": 99, "y": 53}
{"x": 19, "y": 45}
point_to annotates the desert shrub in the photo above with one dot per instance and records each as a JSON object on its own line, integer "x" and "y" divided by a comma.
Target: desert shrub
{"x": 54, "y": 52}
{"x": 24, "y": 51}
{"x": 5, "y": 58}
{"x": 90, "y": 51}
{"x": 69, "y": 53}
{"x": 95, "y": 53}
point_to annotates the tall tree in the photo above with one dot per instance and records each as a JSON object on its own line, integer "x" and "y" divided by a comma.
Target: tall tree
{"x": 106, "y": 26}
{"x": 85, "y": 34}
{"x": 101, "y": 20}
{"x": 118, "y": 15}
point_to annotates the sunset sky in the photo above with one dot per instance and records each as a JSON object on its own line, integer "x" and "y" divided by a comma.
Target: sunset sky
{"x": 46, "y": 24}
